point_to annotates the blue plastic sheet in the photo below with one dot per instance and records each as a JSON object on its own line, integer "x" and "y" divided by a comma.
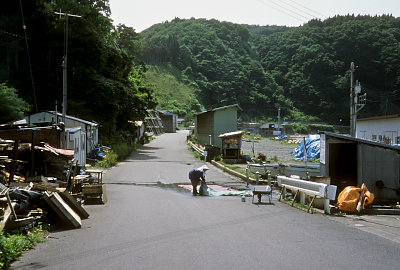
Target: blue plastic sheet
{"x": 313, "y": 148}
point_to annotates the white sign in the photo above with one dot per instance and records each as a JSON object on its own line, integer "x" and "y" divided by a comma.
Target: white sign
{"x": 322, "y": 148}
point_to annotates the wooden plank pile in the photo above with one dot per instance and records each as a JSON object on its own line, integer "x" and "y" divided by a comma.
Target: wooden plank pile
{"x": 22, "y": 207}
{"x": 27, "y": 196}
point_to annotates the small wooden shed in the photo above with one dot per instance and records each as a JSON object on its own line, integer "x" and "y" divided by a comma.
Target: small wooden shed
{"x": 231, "y": 144}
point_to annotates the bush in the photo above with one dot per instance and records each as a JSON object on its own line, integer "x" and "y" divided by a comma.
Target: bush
{"x": 11, "y": 246}
{"x": 300, "y": 128}
{"x": 110, "y": 160}
{"x": 119, "y": 152}
{"x": 123, "y": 150}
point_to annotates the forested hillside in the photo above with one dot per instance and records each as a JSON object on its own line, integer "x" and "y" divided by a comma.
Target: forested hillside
{"x": 191, "y": 65}
{"x": 105, "y": 75}
{"x": 303, "y": 70}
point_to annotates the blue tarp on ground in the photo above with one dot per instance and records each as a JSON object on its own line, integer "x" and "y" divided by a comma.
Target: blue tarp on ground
{"x": 313, "y": 148}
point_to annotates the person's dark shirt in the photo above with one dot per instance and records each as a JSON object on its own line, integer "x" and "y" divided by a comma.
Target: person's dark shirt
{"x": 196, "y": 174}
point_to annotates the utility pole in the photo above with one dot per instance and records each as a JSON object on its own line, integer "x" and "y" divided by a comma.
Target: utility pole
{"x": 357, "y": 100}
{"x": 279, "y": 118}
{"x": 352, "y": 108}
{"x": 64, "y": 65}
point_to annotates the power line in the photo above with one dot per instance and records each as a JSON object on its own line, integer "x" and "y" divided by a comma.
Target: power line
{"x": 280, "y": 10}
{"x": 29, "y": 56}
{"x": 309, "y": 9}
{"x": 289, "y": 10}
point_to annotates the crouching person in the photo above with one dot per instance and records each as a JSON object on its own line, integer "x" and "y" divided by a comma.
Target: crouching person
{"x": 197, "y": 175}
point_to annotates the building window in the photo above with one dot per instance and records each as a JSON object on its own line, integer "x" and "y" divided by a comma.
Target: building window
{"x": 380, "y": 138}
{"x": 362, "y": 134}
{"x": 398, "y": 140}
{"x": 373, "y": 137}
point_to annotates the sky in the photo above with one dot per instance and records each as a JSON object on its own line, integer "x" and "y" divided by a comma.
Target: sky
{"x": 141, "y": 14}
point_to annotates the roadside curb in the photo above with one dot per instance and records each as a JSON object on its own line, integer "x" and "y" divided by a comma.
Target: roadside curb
{"x": 232, "y": 172}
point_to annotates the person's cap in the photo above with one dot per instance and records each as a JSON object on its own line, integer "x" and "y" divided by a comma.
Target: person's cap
{"x": 204, "y": 167}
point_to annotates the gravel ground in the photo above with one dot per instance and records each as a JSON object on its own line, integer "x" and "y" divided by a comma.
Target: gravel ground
{"x": 270, "y": 148}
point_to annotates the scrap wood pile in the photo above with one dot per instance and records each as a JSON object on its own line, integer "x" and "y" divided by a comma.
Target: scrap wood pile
{"x": 27, "y": 196}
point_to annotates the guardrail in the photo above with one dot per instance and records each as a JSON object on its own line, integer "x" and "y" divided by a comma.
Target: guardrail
{"x": 303, "y": 187}
{"x": 196, "y": 148}
{"x": 287, "y": 170}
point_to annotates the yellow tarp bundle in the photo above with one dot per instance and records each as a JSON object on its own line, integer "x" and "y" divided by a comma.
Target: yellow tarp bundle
{"x": 350, "y": 196}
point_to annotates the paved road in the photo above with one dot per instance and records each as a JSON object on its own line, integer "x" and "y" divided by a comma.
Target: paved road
{"x": 146, "y": 226}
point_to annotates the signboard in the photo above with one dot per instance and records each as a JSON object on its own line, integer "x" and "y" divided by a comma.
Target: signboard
{"x": 322, "y": 149}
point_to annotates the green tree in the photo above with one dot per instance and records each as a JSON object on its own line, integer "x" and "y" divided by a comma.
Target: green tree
{"x": 12, "y": 107}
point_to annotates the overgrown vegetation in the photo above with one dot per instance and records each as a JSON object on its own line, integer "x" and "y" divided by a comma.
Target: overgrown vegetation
{"x": 12, "y": 246}
{"x": 172, "y": 93}
{"x": 120, "y": 151}
{"x": 105, "y": 76}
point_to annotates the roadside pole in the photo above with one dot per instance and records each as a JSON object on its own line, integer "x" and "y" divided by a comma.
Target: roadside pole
{"x": 352, "y": 107}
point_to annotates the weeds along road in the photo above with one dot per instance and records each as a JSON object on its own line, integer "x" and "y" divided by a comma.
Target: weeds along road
{"x": 149, "y": 226}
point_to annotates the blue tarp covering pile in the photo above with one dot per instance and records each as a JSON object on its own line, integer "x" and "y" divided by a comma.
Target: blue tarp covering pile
{"x": 313, "y": 148}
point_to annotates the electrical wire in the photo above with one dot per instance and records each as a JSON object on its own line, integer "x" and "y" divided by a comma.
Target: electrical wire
{"x": 309, "y": 9}
{"x": 290, "y": 10}
{"x": 29, "y": 57}
{"x": 280, "y": 10}
{"x": 295, "y": 10}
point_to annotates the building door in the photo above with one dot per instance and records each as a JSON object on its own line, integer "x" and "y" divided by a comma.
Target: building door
{"x": 343, "y": 165}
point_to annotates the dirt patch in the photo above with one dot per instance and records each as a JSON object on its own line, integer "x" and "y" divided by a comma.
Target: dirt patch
{"x": 271, "y": 148}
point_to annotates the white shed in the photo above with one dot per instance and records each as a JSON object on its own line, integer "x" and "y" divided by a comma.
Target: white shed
{"x": 89, "y": 129}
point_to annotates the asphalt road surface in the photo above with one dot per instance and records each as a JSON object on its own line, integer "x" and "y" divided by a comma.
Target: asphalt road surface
{"x": 148, "y": 223}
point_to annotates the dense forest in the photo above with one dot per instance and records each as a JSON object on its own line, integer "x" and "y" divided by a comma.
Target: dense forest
{"x": 302, "y": 70}
{"x": 187, "y": 65}
{"x": 105, "y": 75}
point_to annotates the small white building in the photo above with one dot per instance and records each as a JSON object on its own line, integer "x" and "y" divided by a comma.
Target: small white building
{"x": 384, "y": 129}
{"x": 80, "y": 135}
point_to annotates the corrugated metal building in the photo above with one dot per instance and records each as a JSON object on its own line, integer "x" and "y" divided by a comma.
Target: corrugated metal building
{"x": 210, "y": 124}
{"x": 169, "y": 121}
{"x": 89, "y": 130}
{"x": 350, "y": 161}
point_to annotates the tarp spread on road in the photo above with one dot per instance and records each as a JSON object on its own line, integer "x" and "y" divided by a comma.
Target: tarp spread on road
{"x": 216, "y": 190}
{"x": 312, "y": 147}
